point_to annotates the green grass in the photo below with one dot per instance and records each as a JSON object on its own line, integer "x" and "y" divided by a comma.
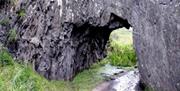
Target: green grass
{"x": 88, "y": 79}
{"x": 84, "y": 81}
{"x": 18, "y": 77}
{"x": 5, "y": 58}
{"x": 121, "y": 52}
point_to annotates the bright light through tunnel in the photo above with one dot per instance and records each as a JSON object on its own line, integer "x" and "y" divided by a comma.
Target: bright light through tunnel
{"x": 120, "y": 48}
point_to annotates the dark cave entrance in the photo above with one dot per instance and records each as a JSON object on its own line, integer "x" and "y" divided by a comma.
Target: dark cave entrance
{"x": 83, "y": 45}
{"x": 90, "y": 42}
{"x": 93, "y": 45}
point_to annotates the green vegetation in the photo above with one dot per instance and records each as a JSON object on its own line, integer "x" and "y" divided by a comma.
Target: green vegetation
{"x": 12, "y": 35}
{"x": 18, "y": 77}
{"x": 121, "y": 52}
{"x": 21, "y": 13}
{"x": 148, "y": 88}
{"x": 122, "y": 55}
{"x": 4, "y": 22}
{"x": 88, "y": 79}
{"x": 5, "y": 58}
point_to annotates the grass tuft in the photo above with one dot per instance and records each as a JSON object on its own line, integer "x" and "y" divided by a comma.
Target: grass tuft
{"x": 21, "y": 13}
{"x": 122, "y": 55}
{"x": 121, "y": 52}
{"x": 4, "y": 22}
{"x": 12, "y": 35}
{"x": 5, "y": 57}
{"x": 18, "y": 77}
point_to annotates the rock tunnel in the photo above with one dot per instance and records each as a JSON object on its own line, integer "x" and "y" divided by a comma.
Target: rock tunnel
{"x": 63, "y": 37}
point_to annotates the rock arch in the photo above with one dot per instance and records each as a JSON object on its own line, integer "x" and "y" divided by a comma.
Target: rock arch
{"x": 55, "y": 33}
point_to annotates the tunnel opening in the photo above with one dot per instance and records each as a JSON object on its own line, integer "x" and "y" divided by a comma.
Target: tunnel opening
{"x": 91, "y": 42}
{"x": 120, "y": 50}
{"x": 108, "y": 49}
{"x": 82, "y": 47}
{"x": 94, "y": 39}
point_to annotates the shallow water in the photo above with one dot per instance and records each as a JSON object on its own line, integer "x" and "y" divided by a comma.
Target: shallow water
{"x": 118, "y": 79}
{"x": 127, "y": 82}
{"x": 109, "y": 71}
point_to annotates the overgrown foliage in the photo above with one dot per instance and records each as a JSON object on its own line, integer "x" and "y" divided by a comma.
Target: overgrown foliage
{"x": 5, "y": 57}
{"x": 18, "y": 77}
{"x": 122, "y": 55}
{"x": 121, "y": 51}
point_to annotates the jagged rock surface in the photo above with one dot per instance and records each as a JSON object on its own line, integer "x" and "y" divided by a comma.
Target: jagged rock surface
{"x": 8, "y": 19}
{"x": 4, "y": 20}
{"x": 62, "y": 37}
{"x": 157, "y": 42}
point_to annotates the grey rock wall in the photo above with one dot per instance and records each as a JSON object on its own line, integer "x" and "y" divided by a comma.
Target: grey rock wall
{"x": 157, "y": 42}
{"x": 4, "y": 20}
{"x": 63, "y": 37}
{"x": 8, "y": 18}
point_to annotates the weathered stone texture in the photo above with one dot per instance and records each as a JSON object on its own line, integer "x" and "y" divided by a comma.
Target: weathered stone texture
{"x": 157, "y": 42}
{"x": 62, "y": 37}
{"x": 4, "y": 20}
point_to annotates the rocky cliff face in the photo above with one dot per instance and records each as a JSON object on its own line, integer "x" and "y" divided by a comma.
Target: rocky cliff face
{"x": 157, "y": 41}
{"x": 62, "y": 37}
{"x": 4, "y": 20}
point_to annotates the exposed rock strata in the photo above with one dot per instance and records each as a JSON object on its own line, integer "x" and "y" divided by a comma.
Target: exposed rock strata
{"x": 62, "y": 37}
